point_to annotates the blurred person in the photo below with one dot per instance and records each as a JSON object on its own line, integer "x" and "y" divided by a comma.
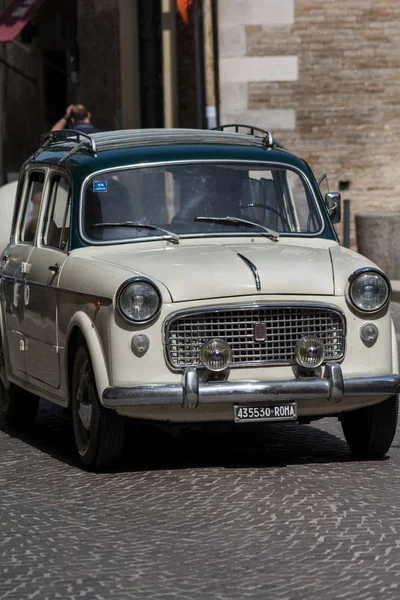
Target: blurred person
{"x": 79, "y": 118}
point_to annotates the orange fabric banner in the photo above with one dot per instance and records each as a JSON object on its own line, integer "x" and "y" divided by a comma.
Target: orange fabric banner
{"x": 183, "y": 7}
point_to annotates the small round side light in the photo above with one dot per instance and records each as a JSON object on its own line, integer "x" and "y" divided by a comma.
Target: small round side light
{"x": 140, "y": 344}
{"x": 369, "y": 333}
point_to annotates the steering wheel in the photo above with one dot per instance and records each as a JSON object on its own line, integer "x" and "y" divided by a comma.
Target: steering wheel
{"x": 276, "y": 212}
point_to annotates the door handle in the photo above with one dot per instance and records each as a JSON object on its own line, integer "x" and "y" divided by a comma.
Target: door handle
{"x": 25, "y": 268}
{"x": 5, "y": 257}
{"x": 54, "y": 268}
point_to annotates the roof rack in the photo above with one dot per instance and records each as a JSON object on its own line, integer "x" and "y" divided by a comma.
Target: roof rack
{"x": 135, "y": 138}
{"x": 266, "y": 135}
{"x": 83, "y": 140}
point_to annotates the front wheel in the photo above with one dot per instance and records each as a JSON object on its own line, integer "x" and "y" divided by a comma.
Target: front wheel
{"x": 369, "y": 431}
{"x": 99, "y": 431}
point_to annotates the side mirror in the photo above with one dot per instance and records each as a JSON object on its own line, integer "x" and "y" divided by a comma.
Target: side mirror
{"x": 334, "y": 206}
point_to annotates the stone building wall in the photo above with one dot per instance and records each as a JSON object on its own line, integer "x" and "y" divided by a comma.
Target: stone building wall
{"x": 186, "y": 73}
{"x": 324, "y": 77}
{"x": 23, "y": 118}
{"x": 99, "y": 74}
{"x": 23, "y": 82}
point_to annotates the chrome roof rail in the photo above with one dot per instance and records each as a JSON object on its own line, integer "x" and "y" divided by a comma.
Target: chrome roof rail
{"x": 134, "y": 138}
{"x": 266, "y": 135}
{"x": 68, "y": 135}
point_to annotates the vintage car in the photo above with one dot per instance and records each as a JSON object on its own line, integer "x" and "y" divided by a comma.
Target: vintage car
{"x": 185, "y": 277}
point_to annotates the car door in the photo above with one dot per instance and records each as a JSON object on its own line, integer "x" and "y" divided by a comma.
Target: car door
{"x": 15, "y": 264}
{"x": 41, "y": 302}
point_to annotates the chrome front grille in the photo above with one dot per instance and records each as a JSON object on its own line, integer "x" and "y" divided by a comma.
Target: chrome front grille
{"x": 283, "y": 326}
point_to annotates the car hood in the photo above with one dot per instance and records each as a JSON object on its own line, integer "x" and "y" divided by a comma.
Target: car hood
{"x": 217, "y": 270}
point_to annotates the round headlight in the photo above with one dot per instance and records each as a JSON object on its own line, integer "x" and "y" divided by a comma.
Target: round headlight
{"x": 369, "y": 291}
{"x": 139, "y": 301}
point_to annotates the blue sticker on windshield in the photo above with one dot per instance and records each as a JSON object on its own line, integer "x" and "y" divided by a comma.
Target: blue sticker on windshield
{"x": 99, "y": 186}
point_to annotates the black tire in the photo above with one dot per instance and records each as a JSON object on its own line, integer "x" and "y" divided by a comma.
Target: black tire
{"x": 369, "y": 431}
{"x": 18, "y": 406}
{"x": 99, "y": 431}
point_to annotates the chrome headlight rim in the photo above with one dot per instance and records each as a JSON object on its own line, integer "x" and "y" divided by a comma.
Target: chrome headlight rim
{"x": 123, "y": 286}
{"x": 353, "y": 278}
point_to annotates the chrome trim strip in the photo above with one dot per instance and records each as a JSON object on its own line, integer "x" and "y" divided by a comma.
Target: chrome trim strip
{"x": 253, "y": 391}
{"x": 243, "y": 307}
{"x": 191, "y": 236}
{"x": 254, "y": 269}
{"x": 102, "y": 299}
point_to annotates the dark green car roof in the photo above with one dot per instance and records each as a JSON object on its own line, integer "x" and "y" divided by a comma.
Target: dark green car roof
{"x": 115, "y": 149}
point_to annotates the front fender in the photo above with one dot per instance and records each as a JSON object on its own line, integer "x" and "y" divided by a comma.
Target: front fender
{"x": 89, "y": 332}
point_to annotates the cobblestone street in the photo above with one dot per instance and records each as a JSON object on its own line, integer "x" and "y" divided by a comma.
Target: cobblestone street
{"x": 282, "y": 512}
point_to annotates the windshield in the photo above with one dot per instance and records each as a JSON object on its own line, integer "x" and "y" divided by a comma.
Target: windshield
{"x": 117, "y": 204}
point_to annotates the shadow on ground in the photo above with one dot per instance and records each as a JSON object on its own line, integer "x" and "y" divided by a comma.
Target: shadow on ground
{"x": 149, "y": 448}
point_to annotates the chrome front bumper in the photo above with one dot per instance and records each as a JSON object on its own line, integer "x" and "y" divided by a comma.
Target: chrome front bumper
{"x": 192, "y": 392}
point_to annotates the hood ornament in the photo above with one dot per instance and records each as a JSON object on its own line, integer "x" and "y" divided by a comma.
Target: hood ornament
{"x": 254, "y": 270}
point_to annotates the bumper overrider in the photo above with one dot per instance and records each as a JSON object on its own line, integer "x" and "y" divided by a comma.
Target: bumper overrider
{"x": 191, "y": 392}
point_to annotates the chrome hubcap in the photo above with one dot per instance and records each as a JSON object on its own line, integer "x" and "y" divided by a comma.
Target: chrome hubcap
{"x": 84, "y": 397}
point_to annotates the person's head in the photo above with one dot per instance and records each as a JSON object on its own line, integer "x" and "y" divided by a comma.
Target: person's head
{"x": 36, "y": 197}
{"x": 80, "y": 114}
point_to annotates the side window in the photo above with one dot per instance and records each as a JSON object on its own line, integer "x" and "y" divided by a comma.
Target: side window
{"x": 56, "y": 228}
{"x": 32, "y": 206}
{"x": 304, "y": 209}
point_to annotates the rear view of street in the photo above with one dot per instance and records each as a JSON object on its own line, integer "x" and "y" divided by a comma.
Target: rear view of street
{"x": 283, "y": 512}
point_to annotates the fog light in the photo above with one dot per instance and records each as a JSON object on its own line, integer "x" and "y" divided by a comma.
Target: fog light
{"x": 140, "y": 344}
{"x": 310, "y": 352}
{"x": 215, "y": 355}
{"x": 369, "y": 332}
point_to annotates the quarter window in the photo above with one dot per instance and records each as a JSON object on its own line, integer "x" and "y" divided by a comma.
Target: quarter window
{"x": 56, "y": 229}
{"x": 32, "y": 206}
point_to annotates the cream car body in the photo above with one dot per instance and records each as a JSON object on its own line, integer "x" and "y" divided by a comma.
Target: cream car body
{"x": 59, "y": 295}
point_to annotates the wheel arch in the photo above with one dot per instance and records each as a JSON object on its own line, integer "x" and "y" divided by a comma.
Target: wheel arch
{"x": 81, "y": 328}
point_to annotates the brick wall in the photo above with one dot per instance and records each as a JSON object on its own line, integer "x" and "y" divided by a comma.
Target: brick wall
{"x": 344, "y": 101}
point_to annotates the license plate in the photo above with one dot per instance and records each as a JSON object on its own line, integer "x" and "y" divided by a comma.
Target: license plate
{"x": 284, "y": 411}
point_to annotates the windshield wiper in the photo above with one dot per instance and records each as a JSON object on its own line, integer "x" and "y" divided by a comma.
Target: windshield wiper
{"x": 172, "y": 236}
{"x": 237, "y": 221}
